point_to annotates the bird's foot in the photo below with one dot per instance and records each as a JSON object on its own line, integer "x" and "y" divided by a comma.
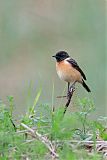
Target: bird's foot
{"x": 72, "y": 88}
{"x": 70, "y": 91}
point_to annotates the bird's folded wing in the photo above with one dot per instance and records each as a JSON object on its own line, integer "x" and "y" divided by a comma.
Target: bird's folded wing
{"x": 75, "y": 65}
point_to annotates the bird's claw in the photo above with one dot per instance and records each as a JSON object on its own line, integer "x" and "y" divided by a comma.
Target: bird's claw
{"x": 70, "y": 91}
{"x": 72, "y": 88}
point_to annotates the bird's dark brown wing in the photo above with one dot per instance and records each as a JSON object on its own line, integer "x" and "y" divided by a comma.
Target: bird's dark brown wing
{"x": 75, "y": 65}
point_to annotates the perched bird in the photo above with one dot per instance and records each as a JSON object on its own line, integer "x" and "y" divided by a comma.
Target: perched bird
{"x": 69, "y": 71}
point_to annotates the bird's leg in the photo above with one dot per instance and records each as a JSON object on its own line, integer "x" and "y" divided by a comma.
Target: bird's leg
{"x": 68, "y": 86}
{"x": 68, "y": 92}
{"x": 71, "y": 89}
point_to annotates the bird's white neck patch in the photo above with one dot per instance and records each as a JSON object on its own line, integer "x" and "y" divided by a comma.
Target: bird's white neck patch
{"x": 67, "y": 58}
{"x": 65, "y": 61}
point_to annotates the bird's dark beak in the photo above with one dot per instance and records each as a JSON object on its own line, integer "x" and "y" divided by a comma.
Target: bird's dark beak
{"x": 54, "y": 56}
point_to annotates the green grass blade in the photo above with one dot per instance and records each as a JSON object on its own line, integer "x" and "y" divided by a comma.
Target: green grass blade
{"x": 36, "y": 100}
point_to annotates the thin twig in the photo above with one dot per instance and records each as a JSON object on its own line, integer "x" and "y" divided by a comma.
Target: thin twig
{"x": 82, "y": 141}
{"x": 69, "y": 99}
{"x": 61, "y": 96}
{"x": 44, "y": 140}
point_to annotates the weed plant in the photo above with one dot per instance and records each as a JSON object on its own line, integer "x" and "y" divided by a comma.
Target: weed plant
{"x": 66, "y": 133}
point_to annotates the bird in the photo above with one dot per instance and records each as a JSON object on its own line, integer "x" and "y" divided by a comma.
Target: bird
{"x": 68, "y": 70}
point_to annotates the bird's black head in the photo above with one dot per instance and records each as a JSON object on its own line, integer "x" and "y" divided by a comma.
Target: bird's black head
{"x": 61, "y": 55}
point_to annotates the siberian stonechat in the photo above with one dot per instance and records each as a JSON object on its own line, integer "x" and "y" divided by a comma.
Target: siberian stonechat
{"x": 69, "y": 71}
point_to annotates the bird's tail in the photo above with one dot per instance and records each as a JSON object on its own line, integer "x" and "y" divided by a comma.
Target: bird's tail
{"x": 85, "y": 86}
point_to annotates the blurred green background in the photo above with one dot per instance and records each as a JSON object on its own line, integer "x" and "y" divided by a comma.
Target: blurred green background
{"x": 31, "y": 31}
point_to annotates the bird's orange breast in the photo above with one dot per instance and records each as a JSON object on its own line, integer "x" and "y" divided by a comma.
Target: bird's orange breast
{"x": 67, "y": 73}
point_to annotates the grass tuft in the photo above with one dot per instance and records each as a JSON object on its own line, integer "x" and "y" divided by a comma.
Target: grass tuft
{"x": 44, "y": 134}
